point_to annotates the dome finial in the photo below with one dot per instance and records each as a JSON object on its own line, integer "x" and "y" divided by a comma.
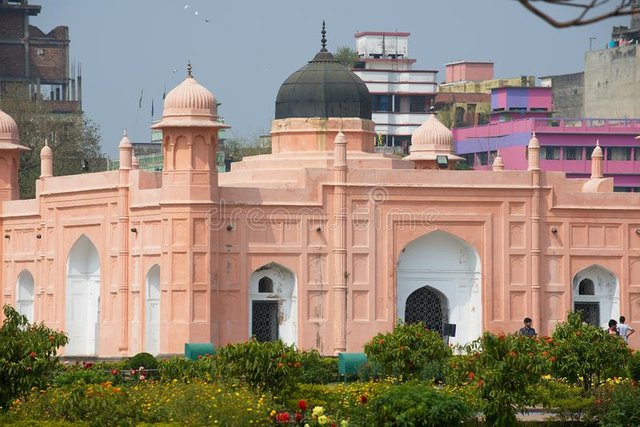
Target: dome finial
{"x": 189, "y": 75}
{"x": 323, "y": 40}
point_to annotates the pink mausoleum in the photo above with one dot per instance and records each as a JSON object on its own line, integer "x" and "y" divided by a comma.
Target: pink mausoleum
{"x": 322, "y": 243}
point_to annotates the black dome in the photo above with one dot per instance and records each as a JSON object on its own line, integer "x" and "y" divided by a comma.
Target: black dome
{"x": 323, "y": 88}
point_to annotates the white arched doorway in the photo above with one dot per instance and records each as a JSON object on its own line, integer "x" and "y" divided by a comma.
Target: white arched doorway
{"x": 438, "y": 282}
{"x": 25, "y": 291}
{"x": 596, "y": 294}
{"x": 83, "y": 298}
{"x": 273, "y": 304}
{"x": 152, "y": 309}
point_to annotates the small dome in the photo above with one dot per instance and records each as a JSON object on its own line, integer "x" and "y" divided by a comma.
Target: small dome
{"x": 190, "y": 98}
{"x": 597, "y": 151}
{"x": 8, "y": 127}
{"x": 432, "y": 132}
{"x": 46, "y": 152}
{"x": 323, "y": 88}
{"x": 189, "y": 105}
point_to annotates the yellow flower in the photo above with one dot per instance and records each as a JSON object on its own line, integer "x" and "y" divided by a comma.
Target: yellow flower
{"x": 344, "y": 423}
{"x": 322, "y": 420}
{"x": 273, "y": 413}
{"x": 317, "y": 411}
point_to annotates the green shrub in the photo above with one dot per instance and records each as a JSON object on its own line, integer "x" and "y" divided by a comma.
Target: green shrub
{"x": 569, "y": 403}
{"x": 618, "y": 405}
{"x": 271, "y": 366}
{"x": 185, "y": 370}
{"x": 28, "y": 355}
{"x": 145, "y": 360}
{"x": 416, "y": 404}
{"x": 634, "y": 366}
{"x": 317, "y": 369}
{"x": 502, "y": 369}
{"x": 586, "y": 355}
{"x": 83, "y": 374}
{"x": 407, "y": 351}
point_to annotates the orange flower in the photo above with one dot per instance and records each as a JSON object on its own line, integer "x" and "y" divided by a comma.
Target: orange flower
{"x": 471, "y": 375}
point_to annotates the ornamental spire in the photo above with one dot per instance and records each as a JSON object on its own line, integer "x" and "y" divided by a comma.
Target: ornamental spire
{"x": 323, "y": 40}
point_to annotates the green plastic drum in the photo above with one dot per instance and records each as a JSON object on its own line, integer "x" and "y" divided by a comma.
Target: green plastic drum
{"x": 350, "y": 363}
{"x": 193, "y": 350}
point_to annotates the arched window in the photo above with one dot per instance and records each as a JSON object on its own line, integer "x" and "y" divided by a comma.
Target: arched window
{"x": 586, "y": 287}
{"x": 265, "y": 285}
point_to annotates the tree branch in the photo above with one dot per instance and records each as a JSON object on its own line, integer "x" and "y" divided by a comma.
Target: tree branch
{"x": 591, "y": 10}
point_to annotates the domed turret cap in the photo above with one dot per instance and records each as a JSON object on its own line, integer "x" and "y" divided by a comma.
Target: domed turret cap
{"x": 323, "y": 88}
{"x": 189, "y": 104}
{"x": 9, "y": 136}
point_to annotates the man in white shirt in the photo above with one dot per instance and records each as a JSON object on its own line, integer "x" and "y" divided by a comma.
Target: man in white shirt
{"x": 624, "y": 329}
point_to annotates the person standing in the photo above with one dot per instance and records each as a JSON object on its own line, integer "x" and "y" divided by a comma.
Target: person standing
{"x": 613, "y": 327}
{"x": 527, "y": 330}
{"x": 624, "y": 329}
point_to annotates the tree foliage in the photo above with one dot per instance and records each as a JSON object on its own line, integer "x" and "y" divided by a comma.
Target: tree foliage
{"x": 587, "y": 355}
{"x": 346, "y": 56}
{"x": 73, "y": 138}
{"x": 28, "y": 355}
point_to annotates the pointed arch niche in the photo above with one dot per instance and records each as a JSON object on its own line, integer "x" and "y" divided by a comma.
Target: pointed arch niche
{"x": 83, "y": 298}
{"x": 152, "y": 310}
{"x": 438, "y": 278}
{"x": 596, "y": 292}
{"x": 25, "y": 291}
{"x": 273, "y": 304}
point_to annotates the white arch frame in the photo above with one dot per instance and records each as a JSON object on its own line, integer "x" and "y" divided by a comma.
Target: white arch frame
{"x": 25, "y": 294}
{"x": 451, "y": 266}
{"x": 83, "y": 298}
{"x": 152, "y": 310}
{"x": 606, "y": 288}
{"x": 285, "y": 292}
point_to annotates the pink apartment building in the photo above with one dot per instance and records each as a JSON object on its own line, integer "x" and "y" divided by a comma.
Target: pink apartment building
{"x": 322, "y": 243}
{"x": 566, "y": 144}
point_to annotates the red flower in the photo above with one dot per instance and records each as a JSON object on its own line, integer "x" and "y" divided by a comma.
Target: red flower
{"x": 282, "y": 417}
{"x": 133, "y": 372}
{"x": 480, "y": 383}
{"x": 87, "y": 365}
{"x": 598, "y": 401}
{"x": 280, "y": 365}
{"x": 199, "y": 356}
{"x": 32, "y": 355}
{"x": 298, "y": 417}
{"x": 302, "y": 405}
{"x": 298, "y": 365}
{"x": 513, "y": 354}
{"x": 552, "y": 359}
{"x": 363, "y": 399}
{"x": 501, "y": 336}
{"x": 380, "y": 341}
{"x": 114, "y": 371}
{"x": 544, "y": 353}
{"x": 471, "y": 375}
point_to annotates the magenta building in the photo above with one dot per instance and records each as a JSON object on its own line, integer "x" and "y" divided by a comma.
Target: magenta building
{"x": 566, "y": 144}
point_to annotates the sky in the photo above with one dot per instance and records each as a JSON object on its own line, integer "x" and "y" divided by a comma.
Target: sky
{"x": 243, "y": 50}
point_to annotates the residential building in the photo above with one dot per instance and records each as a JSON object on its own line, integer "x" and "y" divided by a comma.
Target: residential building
{"x": 565, "y": 144}
{"x": 400, "y": 95}
{"x": 37, "y": 59}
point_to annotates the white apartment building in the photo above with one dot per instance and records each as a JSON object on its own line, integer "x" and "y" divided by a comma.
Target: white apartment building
{"x": 400, "y": 96}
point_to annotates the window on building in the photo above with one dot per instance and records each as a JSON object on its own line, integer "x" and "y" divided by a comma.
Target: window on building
{"x": 587, "y": 152}
{"x": 572, "y": 153}
{"x": 619, "y": 153}
{"x": 622, "y": 189}
{"x": 418, "y": 104}
{"x": 469, "y": 158}
{"x": 265, "y": 285}
{"x": 550, "y": 153}
{"x": 636, "y": 155}
{"x": 402, "y": 141}
{"x": 381, "y": 103}
{"x": 586, "y": 287}
{"x": 483, "y": 158}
